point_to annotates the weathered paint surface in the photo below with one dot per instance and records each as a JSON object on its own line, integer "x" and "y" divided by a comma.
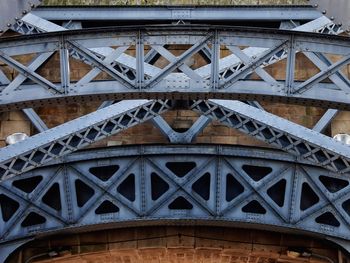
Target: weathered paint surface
{"x": 175, "y": 2}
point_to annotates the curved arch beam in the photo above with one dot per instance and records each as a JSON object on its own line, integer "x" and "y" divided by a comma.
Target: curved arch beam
{"x": 233, "y": 82}
{"x": 136, "y": 184}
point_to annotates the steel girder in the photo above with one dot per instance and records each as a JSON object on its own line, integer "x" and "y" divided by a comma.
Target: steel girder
{"x": 283, "y": 134}
{"x": 12, "y": 11}
{"x": 176, "y": 13}
{"x": 31, "y": 24}
{"x": 76, "y": 134}
{"x": 297, "y": 140}
{"x": 337, "y": 10}
{"x": 233, "y": 71}
{"x": 128, "y": 186}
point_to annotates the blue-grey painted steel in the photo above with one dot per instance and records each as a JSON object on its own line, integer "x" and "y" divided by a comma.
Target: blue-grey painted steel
{"x": 128, "y": 186}
{"x": 71, "y": 136}
{"x": 337, "y": 10}
{"x": 175, "y": 13}
{"x": 178, "y": 137}
{"x": 94, "y": 46}
{"x": 8, "y": 248}
{"x": 35, "y": 120}
{"x": 13, "y": 10}
{"x": 283, "y": 134}
{"x": 325, "y": 120}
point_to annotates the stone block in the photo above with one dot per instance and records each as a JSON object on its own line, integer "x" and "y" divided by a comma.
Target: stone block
{"x": 122, "y": 240}
{"x": 9, "y": 127}
{"x": 16, "y": 116}
{"x": 180, "y": 237}
{"x": 340, "y": 126}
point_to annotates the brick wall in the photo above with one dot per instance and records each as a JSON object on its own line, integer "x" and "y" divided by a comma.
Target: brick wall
{"x": 178, "y": 244}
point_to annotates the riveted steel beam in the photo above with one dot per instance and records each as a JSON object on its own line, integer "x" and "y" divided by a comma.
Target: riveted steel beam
{"x": 12, "y": 11}
{"x": 166, "y": 84}
{"x": 71, "y": 136}
{"x": 337, "y": 10}
{"x": 278, "y": 132}
{"x": 135, "y": 185}
{"x": 174, "y": 13}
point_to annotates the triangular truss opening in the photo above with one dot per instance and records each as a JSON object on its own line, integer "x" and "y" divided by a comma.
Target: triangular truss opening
{"x": 28, "y": 185}
{"x": 106, "y": 207}
{"x": 104, "y": 173}
{"x": 33, "y": 219}
{"x": 180, "y": 203}
{"x": 127, "y": 188}
{"x": 233, "y": 188}
{"x": 254, "y": 207}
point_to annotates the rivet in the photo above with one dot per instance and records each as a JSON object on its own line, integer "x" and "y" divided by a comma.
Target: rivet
{"x": 324, "y": 12}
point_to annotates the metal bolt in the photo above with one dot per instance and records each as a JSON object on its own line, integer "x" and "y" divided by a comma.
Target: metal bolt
{"x": 324, "y": 12}
{"x": 8, "y": 24}
{"x": 24, "y": 12}
{"x": 332, "y": 17}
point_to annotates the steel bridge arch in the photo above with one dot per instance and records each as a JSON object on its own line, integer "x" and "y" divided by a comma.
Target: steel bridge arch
{"x": 226, "y": 78}
{"x": 207, "y": 184}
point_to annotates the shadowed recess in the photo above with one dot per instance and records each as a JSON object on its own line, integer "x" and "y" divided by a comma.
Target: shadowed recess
{"x": 277, "y": 192}
{"x": 333, "y": 185}
{"x": 83, "y": 192}
{"x": 328, "y": 219}
{"x": 158, "y": 185}
{"x": 308, "y": 197}
{"x": 8, "y": 207}
{"x": 233, "y": 188}
{"x": 180, "y": 169}
{"x": 104, "y": 173}
{"x": 106, "y": 207}
{"x": 180, "y": 203}
{"x": 254, "y": 207}
{"x": 202, "y": 186}
{"x": 27, "y": 185}
{"x": 256, "y": 172}
{"x": 33, "y": 219}
{"x": 127, "y": 188}
{"x": 52, "y": 198}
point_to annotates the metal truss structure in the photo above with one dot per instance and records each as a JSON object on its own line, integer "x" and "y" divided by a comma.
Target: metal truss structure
{"x": 129, "y": 77}
{"x": 46, "y": 188}
{"x": 215, "y": 185}
{"x": 12, "y": 11}
{"x": 337, "y": 10}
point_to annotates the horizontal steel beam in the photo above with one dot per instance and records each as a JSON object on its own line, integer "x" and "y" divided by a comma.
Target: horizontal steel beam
{"x": 32, "y": 95}
{"x": 174, "y": 13}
